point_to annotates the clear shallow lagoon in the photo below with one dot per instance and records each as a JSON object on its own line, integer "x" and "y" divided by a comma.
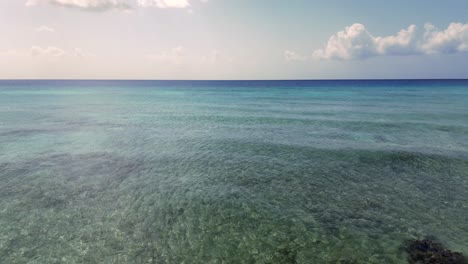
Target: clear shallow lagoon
{"x": 230, "y": 172}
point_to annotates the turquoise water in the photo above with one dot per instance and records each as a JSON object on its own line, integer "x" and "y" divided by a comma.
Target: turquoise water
{"x": 231, "y": 172}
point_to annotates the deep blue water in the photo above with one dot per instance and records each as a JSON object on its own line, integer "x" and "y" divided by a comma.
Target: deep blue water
{"x": 231, "y": 171}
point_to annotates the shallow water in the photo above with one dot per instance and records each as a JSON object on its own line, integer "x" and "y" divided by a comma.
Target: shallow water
{"x": 231, "y": 172}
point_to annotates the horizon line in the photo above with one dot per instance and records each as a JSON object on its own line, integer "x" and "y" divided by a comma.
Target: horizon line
{"x": 243, "y": 80}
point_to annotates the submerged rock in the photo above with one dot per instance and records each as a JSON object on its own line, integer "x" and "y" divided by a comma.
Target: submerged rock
{"x": 427, "y": 251}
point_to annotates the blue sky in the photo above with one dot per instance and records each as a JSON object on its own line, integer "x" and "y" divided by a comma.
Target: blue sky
{"x": 233, "y": 39}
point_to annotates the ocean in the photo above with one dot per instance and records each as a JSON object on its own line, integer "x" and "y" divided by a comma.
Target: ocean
{"x": 231, "y": 171}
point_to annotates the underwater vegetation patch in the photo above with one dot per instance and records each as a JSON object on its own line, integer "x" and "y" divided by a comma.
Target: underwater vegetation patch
{"x": 427, "y": 251}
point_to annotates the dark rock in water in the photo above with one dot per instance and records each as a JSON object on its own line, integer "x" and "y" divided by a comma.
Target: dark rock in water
{"x": 427, "y": 251}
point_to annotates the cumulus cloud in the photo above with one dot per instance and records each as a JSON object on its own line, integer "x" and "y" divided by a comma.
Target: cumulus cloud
{"x": 355, "y": 42}
{"x": 451, "y": 40}
{"x": 90, "y": 5}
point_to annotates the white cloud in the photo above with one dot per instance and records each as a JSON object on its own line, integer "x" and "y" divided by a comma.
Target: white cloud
{"x": 91, "y": 5}
{"x": 453, "y": 39}
{"x": 403, "y": 43}
{"x": 45, "y": 29}
{"x": 293, "y": 56}
{"x": 355, "y": 42}
{"x": 47, "y": 51}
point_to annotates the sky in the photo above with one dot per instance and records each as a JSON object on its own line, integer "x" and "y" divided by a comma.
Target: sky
{"x": 233, "y": 39}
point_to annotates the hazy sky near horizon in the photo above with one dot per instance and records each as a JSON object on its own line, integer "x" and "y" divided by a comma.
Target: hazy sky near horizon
{"x": 233, "y": 39}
